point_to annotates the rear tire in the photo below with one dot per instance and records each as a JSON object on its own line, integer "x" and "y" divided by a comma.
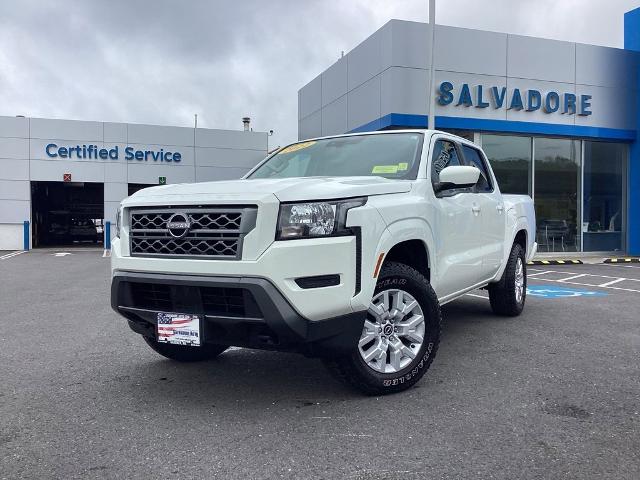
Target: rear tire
{"x": 185, "y": 353}
{"x": 507, "y": 296}
{"x": 397, "y": 345}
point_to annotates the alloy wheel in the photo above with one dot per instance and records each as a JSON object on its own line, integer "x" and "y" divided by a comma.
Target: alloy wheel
{"x": 393, "y": 332}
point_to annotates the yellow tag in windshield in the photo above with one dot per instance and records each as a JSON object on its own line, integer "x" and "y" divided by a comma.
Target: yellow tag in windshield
{"x": 385, "y": 169}
{"x": 297, "y": 146}
{"x": 403, "y": 166}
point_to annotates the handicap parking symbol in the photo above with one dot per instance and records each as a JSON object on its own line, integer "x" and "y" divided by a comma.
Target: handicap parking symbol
{"x": 547, "y": 291}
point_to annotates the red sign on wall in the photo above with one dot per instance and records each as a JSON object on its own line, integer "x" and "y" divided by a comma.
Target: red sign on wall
{"x": 66, "y": 177}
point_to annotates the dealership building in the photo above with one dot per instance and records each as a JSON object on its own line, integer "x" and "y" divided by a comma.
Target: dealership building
{"x": 62, "y": 180}
{"x": 558, "y": 120}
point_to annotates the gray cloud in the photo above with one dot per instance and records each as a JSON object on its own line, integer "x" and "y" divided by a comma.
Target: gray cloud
{"x": 163, "y": 61}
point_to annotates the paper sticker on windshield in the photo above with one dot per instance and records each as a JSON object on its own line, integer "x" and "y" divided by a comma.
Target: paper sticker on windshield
{"x": 297, "y": 146}
{"x": 403, "y": 166}
{"x": 385, "y": 169}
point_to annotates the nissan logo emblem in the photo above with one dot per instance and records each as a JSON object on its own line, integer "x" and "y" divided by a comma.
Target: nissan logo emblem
{"x": 178, "y": 225}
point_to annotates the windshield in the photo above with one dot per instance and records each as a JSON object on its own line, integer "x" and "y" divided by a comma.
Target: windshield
{"x": 389, "y": 155}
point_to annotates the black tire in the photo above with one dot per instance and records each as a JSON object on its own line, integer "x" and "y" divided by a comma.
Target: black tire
{"x": 353, "y": 370}
{"x": 502, "y": 294}
{"x": 185, "y": 353}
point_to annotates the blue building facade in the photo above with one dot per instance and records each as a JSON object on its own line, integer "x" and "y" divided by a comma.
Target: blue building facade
{"x": 632, "y": 42}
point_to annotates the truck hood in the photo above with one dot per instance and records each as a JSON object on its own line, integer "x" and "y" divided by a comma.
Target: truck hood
{"x": 285, "y": 189}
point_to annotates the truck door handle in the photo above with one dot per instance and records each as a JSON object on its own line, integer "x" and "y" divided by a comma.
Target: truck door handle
{"x": 500, "y": 208}
{"x": 475, "y": 209}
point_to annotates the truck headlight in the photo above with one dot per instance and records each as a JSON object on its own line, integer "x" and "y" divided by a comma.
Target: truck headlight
{"x": 315, "y": 219}
{"x": 118, "y": 221}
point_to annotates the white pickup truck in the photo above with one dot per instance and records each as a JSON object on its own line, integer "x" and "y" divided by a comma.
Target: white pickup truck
{"x": 340, "y": 247}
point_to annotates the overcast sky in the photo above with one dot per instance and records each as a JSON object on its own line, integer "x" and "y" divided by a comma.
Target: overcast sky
{"x": 160, "y": 62}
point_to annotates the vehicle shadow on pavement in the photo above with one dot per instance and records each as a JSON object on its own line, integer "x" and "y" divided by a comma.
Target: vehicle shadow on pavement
{"x": 260, "y": 378}
{"x": 460, "y": 313}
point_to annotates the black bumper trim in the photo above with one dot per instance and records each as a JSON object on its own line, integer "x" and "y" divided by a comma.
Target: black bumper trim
{"x": 292, "y": 331}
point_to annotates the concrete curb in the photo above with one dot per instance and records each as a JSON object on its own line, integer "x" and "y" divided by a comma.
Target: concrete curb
{"x": 555, "y": 262}
{"x": 622, "y": 260}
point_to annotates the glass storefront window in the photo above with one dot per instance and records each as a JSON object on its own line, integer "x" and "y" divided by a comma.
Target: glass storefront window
{"x": 466, "y": 134}
{"x": 510, "y": 158}
{"x": 604, "y": 173}
{"x": 557, "y": 173}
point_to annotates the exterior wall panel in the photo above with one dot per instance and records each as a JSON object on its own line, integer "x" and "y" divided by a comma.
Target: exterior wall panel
{"x": 334, "y": 82}
{"x": 486, "y": 57}
{"x": 311, "y": 126}
{"x": 14, "y": 211}
{"x": 14, "y": 127}
{"x": 409, "y": 33}
{"x": 51, "y": 171}
{"x": 365, "y": 61}
{"x": 14, "y": 148}
{"x": 65, "y": 129}
{"x": 541, "y": 59}
{"x": 14, "y": 190}
{"x": 363, "y": 103}
{"x": 14, "y": 169}
{"x": 227, "y": 157}
{"x": 159, "y": 135}
{"x": 310, "y": 98}
{"x": 334, "y": 117}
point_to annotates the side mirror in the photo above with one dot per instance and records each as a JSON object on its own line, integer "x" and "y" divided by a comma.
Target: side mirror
{"x": 457, "y": 176}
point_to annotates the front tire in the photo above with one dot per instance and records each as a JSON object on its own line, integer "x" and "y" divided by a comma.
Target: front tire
{"x": 185, "y": 353}
{"x": 399, "y": 338}
{"x": 508, "y": 295}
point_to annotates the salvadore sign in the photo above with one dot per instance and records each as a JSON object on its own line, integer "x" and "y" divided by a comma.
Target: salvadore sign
{"x": 92, "y": 152}
{"x": 531, "y": 100}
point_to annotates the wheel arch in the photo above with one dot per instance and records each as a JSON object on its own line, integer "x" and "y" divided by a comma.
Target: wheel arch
{"x": 414, "y": 253}
{"x": 519, "y": 235}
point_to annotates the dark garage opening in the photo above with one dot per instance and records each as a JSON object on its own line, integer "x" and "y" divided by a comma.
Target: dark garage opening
{"x": 67, "y": 213}
{"x": 134, "y": 187}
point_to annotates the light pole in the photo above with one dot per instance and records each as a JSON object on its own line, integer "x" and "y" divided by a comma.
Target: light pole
{"x": 431, "y": 111}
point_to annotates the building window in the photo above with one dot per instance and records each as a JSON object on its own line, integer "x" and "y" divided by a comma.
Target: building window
{"x": 466, "y": 134}
{"x": 603, "y": 194}
{"x": 557, "y": 174}
{"x": 510, "y": 158}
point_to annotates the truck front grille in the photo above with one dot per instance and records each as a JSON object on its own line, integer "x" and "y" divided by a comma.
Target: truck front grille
{"x": 190, "y": 231}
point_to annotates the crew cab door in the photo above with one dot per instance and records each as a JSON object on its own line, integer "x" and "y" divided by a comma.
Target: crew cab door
{"x": 455, "y": 225}
{"x": 490, "y": 213}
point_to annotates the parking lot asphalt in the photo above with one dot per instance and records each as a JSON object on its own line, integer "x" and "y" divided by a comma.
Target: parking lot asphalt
{"x": 554, "y": 393}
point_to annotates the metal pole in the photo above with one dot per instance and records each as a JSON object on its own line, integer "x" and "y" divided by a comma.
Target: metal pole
{"x": 431, "y": 114}
{"x": 25, "y": 235}
{"x": 107, "y": 236}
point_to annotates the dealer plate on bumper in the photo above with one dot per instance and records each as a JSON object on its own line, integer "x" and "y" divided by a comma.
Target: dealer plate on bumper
{"x": 178, "y": 328}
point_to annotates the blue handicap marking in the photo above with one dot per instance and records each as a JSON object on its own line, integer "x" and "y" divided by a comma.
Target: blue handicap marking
{"x": 548, "y": 291}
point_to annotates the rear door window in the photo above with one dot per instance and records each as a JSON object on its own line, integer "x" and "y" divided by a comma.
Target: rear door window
{"x": 472, "y": 156}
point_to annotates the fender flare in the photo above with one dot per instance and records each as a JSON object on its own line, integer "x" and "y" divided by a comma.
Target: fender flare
{"x": 514, "y": 225}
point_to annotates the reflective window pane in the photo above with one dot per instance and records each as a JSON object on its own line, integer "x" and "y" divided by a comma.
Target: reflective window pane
{"x": 473, "y": 157}
{"x": 557, "y": 172}
{"x": 466, "y": 134}
{"x": 510, "y": 158}
{"x": 602, "y": 226}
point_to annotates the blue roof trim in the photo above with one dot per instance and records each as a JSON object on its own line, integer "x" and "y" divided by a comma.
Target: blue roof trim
{"x": 631, "y": 31}
{"x": 504, "y": 126}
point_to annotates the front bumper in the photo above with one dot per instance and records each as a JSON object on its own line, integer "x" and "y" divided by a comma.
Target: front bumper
{"x": 282, "y": 263}
{"x": 240, "y": 311}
